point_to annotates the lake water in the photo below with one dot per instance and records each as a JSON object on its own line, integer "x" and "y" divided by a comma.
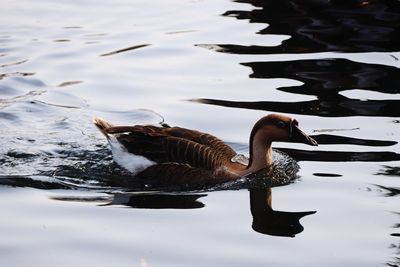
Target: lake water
{"x": 216, "y": 66}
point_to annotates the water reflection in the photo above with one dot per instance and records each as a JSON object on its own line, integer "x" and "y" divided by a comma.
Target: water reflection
{"x": 124, "y": 50}
{"x": 390, "y": 171}
{"x": 272, "y": 222}
{"x": 339, "y": 106}
{"x": 265, "y": 219}
{"x": 322, "y": 25}
{"x": 341, "y": 156}
{"x": 328, "y": 139}
{"x": 390, "y": 191}
{"x": 158, "y": 200}
{"x": 326, "y": 79}
{"x": 395, "y": 261}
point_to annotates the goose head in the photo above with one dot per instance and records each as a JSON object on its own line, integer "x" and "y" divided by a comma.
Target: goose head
{"x": 280, "y": 128}
{"x": 273, "y": 128}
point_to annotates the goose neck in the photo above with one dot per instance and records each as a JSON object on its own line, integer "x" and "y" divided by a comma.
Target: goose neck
{"x": 260, "y": 152}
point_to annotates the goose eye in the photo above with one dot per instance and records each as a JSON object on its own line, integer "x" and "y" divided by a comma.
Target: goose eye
{"x": 281, "y": 124}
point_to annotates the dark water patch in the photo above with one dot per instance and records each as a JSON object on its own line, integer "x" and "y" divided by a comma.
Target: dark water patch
{"x": 390, "y": 191}
{"x": 16, "y": 74}
{"x": 13, "y": 63}
{"x": 338, "y": 106}
{"x": 327, "y": 139}
{"x": 325, "y": 78}
{"x": 341, "y": 156}
{"x": 394, "y": 57}
{"x": 320, "y": 174}
{"x": 395, "y": 261}
{"x": 38, "y": 182}
{"x": 124, "y": 50}
{"x": 158, "y": 200}
{"x": 389, "y": 171}
{"x": 320, "y": 26}
{"x": 85, "y": 198}
{"x": 61, "y": 40}
{"x": 69, "y": 83}
{"x": 20, "y": 154}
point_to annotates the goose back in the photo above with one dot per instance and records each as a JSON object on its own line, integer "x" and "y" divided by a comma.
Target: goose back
{"x": 174, "y": 144}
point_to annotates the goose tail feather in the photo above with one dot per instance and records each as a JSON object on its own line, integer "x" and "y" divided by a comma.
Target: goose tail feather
{"x": 102, "y": 125}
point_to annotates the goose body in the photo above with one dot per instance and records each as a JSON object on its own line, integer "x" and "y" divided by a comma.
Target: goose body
{"x": 175, "y": 155}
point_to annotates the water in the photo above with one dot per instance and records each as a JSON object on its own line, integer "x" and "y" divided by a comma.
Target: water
{"x": 216, "y": 66}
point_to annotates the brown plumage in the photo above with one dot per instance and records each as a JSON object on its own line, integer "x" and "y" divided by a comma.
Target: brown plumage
{"x": 182, "y": 156}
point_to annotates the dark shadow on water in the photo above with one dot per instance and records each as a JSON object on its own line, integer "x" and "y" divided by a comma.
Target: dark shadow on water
{"x": 328, "y": 77}
{"x": 341, "y": 156}
{"x": 38, "y": 182}
{"x": 158, "y": 200}
{"x": 323, "y": 174}
{"x": 142, "y": 200}
{"x": 328, "y": 139}
{"x": 389, "y": 191}
{"x": 320, "y": 25}
{"x": 395, "y": 261}
{"x": 389, "y": 171}
{"x": 338, "y": 106}
{"x": 127, "y": 49}
{"x": 392, "y": 171}
{"x": 392, "y": 192}
{"x": 325, "y": 79}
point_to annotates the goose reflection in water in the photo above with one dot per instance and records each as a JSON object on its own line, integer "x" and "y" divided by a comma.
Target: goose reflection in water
{"x": 266, "y": 220}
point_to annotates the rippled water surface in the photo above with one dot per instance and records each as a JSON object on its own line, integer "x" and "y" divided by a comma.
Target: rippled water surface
{"x": 216, "y": 66}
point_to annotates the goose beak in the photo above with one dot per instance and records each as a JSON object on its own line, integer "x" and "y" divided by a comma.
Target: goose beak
{"x": 298, "y": 136}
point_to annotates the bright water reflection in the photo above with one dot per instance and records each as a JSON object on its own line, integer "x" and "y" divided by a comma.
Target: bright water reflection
{"x": 62, "y": 63}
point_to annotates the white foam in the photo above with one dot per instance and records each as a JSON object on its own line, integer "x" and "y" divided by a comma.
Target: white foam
{"x": 131, "y": 162}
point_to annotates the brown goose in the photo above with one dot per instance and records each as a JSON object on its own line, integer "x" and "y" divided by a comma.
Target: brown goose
{"x": 174, "y": 155}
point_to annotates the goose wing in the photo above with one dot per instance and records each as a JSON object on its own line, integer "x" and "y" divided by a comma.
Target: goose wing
{"x": 174, "y": 144}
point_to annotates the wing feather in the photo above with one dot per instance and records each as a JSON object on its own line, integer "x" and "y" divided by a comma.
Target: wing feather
{"x": 174, "y": 144}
